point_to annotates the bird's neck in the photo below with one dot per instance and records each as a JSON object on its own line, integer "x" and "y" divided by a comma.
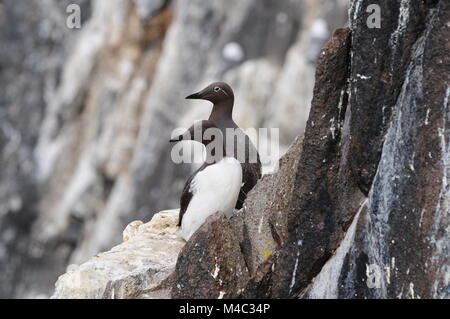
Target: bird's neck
{"x": 222, "y": 111}
{"x": 212, "y": 156}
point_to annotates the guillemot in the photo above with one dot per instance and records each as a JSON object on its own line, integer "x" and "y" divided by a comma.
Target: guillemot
{"x": 214, "y": 187}
{"x": 222, "y": 97}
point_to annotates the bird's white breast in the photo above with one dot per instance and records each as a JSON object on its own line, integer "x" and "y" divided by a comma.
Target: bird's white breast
{"x": 215, "y": 189}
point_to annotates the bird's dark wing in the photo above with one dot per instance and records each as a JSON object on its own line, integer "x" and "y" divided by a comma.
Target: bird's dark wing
{"x": 186, "y": 196}
{"x": 251, "y": 173}
{"x": 185, "y": 199}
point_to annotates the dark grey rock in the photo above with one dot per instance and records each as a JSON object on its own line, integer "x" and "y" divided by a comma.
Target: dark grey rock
{"x": 368, "y": 214}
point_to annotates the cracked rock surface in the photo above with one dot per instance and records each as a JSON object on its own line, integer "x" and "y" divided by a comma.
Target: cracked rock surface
{"x": 134, "y": 269}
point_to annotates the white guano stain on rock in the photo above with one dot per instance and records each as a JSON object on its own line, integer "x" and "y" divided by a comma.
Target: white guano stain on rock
{"x": 325, "y": 284}
{"x": 403, "y": 19}
{"x": 441, "y": 243}
{"x": 294, "y": 272}
{"x": 216, "y": 271}
{"x": 363, "y": 77}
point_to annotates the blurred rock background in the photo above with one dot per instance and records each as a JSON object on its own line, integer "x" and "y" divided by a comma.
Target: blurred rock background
{"x": 86, "y": 114}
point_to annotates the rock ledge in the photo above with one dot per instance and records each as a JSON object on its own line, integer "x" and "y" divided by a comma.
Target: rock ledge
{"x": 134, "y": 269}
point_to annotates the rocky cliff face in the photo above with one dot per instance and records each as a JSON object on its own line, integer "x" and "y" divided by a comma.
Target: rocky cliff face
{"x": 358, "y": 209}
{"x": 366, "y": 215}
{"x": 85, "y": 114}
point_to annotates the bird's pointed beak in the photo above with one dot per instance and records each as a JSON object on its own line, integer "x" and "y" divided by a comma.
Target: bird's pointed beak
{"x": 195, "y": 96}
{"x": 176, "y": 139}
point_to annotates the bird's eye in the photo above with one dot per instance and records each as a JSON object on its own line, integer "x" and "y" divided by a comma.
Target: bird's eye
{"x": 216, "y": 89}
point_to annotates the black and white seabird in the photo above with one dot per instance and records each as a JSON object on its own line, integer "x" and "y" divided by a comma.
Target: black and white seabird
{"x": 222, "y": 97}
{"x": 214, "y": 187}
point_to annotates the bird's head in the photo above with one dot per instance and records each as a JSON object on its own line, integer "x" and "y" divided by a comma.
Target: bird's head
{"x": 216, "y": 93}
